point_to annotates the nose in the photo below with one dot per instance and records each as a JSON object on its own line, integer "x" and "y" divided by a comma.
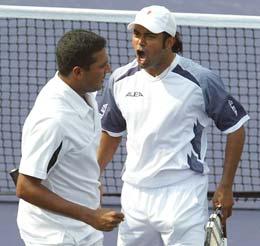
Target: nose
{"x": 107, "y": 69}
{"x": 141, "y": 41}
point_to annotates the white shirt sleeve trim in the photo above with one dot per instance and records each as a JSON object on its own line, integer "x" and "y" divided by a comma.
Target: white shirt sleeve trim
{"x": 113, "y": 134}
{"x": 237, "y": 126}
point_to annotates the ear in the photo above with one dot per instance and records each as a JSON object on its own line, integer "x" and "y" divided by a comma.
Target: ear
{"x": 170, "y": 42}
{"x": 77, "y": 72}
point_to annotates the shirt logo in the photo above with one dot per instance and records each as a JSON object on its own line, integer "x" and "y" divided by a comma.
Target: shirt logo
{"x": 232, "y": 106}
{"x": 103, "y": 109}
{"x": 134, "y": 94}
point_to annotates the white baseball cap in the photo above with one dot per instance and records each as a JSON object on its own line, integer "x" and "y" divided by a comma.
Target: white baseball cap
{"x": 156, "y": 19}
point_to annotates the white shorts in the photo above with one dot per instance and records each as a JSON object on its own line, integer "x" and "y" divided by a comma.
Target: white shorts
{"x": 173, "y": 215}
{"x": 68, "y": 241}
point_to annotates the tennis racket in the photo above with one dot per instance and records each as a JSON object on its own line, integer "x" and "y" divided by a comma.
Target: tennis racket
{"x": 215, "y": 232}
{"x": 14, "y": 174}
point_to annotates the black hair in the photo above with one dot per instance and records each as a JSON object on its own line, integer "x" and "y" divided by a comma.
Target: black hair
{"x": 177, "y": 47}
{"x": 76, "y": 48}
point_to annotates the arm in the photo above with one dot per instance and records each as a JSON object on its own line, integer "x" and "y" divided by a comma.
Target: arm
{"x": 107, "y": 148}
{"x": 224, "y": 195}
{"x": 31, "y": 190}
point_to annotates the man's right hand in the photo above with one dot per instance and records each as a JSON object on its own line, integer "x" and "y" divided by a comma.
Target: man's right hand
{"x": 106, "y": 219}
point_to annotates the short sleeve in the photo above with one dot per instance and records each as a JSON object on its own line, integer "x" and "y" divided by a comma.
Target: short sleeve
{"x": 223, "y": 108}
{"x": 112, "y": 120}
{"x": 41, "y": 144}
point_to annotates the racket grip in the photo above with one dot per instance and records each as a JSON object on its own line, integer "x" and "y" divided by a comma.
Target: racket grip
{"x": 224, "y": 230}
{"x": 14, "y": 175}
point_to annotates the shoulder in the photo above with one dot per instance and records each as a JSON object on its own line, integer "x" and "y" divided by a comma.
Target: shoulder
{"x": 194, "y": 68}
{"x": 202, "y": 76}
{"x": 125, "y": 71}
{"x": 49, "y": 112}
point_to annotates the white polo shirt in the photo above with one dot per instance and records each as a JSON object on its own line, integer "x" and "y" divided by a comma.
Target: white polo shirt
{"x": 59, "y": 144}
{"x": 166, "y": 119}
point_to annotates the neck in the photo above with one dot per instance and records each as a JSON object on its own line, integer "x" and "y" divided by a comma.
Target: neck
{"x": 71, "y": 83}
{"x": 157, "y": 70}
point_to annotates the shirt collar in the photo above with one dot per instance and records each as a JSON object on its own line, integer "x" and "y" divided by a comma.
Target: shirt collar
{"x": 72, "y": 98}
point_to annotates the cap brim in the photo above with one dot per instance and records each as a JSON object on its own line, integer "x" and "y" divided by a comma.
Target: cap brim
{"x": 130, "y": 26}
{"x": 148, "y": 26}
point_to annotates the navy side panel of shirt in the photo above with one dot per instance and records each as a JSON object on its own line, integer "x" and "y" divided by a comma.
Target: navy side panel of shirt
{"x": 112, "y": 119}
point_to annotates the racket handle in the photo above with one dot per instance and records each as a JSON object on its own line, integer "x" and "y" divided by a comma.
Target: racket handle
{"x": 224, "y": 230}
{"x": 224, "y": 227}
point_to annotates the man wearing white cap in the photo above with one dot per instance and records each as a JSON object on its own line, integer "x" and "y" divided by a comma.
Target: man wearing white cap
{"x": 164, "y": 104}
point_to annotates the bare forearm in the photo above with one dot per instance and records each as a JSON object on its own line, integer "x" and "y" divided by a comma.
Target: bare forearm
{"x": 107, "y": 148}
{"x": 224, "y": 196}
{"x": 40, "y": 196}
{"x": 31, "y": 190}
{"x": 234, "y": 148}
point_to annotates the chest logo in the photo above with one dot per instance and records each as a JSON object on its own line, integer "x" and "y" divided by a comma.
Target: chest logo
{"x": 134, "y": 94}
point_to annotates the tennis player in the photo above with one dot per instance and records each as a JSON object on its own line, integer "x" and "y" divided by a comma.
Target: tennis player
{"x": 164, "y": 104}
{"x": 59, "y": 175}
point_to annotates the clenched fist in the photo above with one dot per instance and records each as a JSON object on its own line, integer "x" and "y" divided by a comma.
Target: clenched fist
{"x": 106, "y": 219}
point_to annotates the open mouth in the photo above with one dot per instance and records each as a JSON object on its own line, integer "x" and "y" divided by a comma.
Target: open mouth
{"x": 141, "y": 55}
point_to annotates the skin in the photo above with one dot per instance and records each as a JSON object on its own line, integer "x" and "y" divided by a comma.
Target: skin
{"x": 223, "y": 195}
{"x": 82, "y": 80}
{"x": 107, "y": 148}
{"x": 31, "y": 190}
{"x": 155, "y": 56}
{"x": 152, "y": 55}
